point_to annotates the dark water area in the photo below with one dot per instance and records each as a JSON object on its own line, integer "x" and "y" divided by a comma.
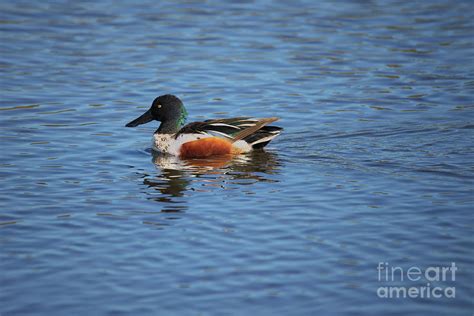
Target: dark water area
{"x": 375, "y": 165}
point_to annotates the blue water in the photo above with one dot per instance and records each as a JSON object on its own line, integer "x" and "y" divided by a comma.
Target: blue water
{"x": 376, "y": 162}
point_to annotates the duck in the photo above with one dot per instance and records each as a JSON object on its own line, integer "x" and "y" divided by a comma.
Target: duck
{"x": 203, "y": 139}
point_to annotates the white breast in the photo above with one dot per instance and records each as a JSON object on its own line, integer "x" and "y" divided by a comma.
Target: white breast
{"x": 167, "y": 143}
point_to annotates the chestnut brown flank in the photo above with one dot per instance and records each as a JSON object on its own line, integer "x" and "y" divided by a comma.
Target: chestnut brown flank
{"x": 206, "y": 147}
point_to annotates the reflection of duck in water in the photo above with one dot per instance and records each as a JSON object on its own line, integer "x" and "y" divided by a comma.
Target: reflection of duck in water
{"x": 178, "y": 179}
{"x": 218, "y": 137}
{"x": 179, "y": 173}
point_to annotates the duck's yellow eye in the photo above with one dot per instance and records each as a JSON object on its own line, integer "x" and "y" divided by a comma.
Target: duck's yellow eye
{"x": 158, "y": 105}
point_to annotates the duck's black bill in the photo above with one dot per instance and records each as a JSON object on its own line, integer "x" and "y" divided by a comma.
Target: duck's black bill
{"x": 145, "y": 118}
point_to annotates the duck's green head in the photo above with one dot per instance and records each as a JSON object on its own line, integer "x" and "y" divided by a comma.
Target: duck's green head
{"x": 168, "y": 109}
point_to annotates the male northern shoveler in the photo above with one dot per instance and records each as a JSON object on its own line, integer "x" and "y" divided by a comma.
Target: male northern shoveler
{"x": 207, "y": 138}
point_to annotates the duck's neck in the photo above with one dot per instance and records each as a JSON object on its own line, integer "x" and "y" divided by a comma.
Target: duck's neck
{"x": 168, "y": 127}
{"x": 172, "y": 126}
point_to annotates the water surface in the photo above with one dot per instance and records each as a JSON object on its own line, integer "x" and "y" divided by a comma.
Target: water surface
{"x": 375, "y": 163}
